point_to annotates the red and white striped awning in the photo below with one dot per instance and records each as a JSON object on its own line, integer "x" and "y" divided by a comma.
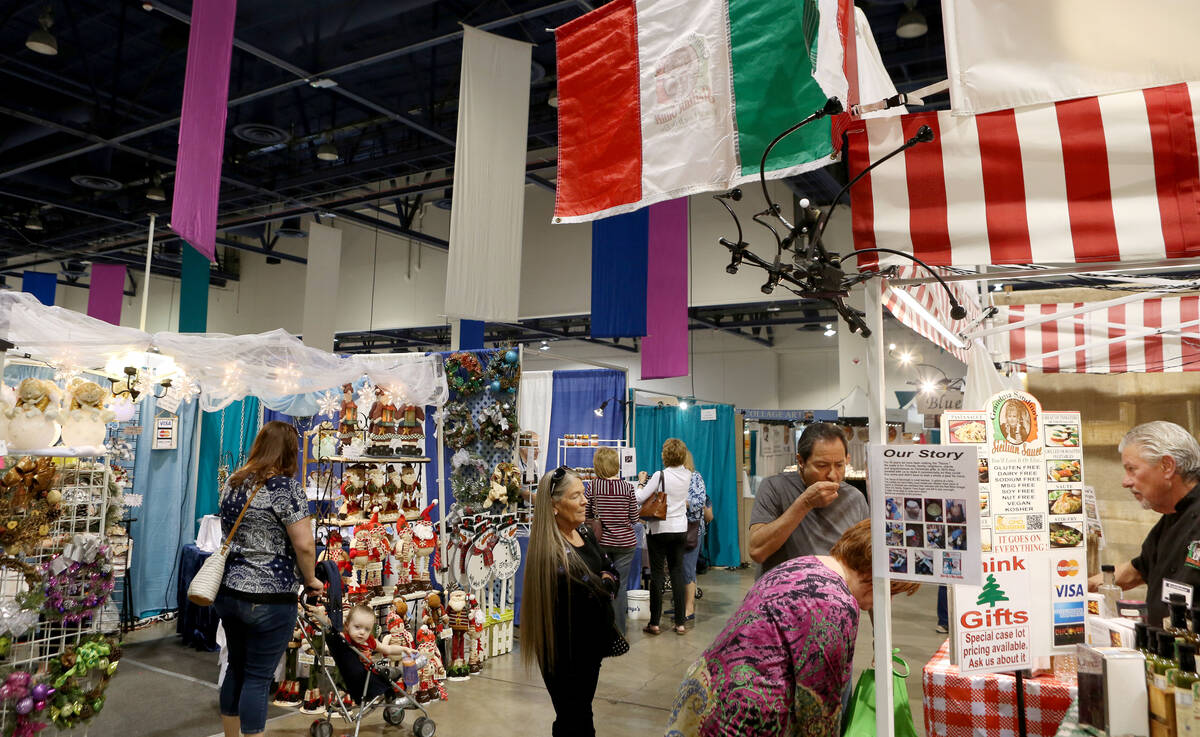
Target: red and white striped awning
{"x": 1110, "y": 178}
{"x": 1149, "y": 336}
{"x": 934, "y": 299}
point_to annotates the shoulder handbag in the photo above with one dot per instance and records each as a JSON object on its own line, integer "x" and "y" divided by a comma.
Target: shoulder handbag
{"x": 655, "y": 506}
{"x": 202, "y": 591}
{"x": 860, "y": 720}
{"x": 617, "y": 645}
{"x": 693, "y": 535}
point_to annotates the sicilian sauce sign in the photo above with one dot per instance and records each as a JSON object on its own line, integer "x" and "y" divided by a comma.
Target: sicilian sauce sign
{"x": 994, "y": 624}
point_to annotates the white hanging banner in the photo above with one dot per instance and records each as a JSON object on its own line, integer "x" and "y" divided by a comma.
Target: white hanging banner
{"x": 1027, "y": 52}
{"x": 321, "y": 286}
{"x": 483, "y": 274}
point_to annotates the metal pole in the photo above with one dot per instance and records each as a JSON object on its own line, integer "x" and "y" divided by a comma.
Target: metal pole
{"x": 877, "y": 418}
{"x": 146, "y": 274}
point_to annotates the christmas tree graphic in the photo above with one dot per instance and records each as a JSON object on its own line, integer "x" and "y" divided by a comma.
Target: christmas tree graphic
{"x": 991, "y": 594}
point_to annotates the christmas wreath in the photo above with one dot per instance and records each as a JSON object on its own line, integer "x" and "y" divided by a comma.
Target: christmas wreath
{"x": 458, "y": 427}
{"x": 498, "y": 424}
{"x": 80, "y": 674}
{"x": 469, "y": 480}
{"x": 504, "y": 372}
{"x": 78, "y": 581}
{"x": 464, "y": 374}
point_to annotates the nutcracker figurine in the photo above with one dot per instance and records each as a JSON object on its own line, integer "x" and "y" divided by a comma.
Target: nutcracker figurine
{"x": 369, "y": 551}
{"x": 434, "y": 671}
{"x": 404, "y": 551}
{"x": 425, "y": 540}
{"x": 461, "y": 615}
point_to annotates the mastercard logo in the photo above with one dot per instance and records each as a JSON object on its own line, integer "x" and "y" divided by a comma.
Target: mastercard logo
{"x": 1068, "y": 568}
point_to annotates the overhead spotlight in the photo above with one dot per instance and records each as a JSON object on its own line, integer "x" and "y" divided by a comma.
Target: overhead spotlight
{"x": 683, "y": 404}
{"x": 599, "y": 411}
{"x": 905, "y": 358}
{"x": 155, "y": 191}
{"x": 328, "y": 152}
{"x": 928, "y": 387}
{"x": 33, "y": 222}
{"x": 544, "y": 346}
{"x": 997, "y": 287}
{"x": 912, "y": 23}
{"x": 829, "y": 331}
{"x": 891, "y": 346}
{"x": 41, "y": 41}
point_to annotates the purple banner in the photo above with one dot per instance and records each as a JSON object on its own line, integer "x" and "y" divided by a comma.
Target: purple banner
{"x": 106, "y": 292}
{"x": 202, "y": 125}
{"x": 665, "y": 347}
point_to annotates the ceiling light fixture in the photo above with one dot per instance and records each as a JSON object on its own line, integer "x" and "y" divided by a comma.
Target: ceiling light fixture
{"x": 683, "y": 404}
{"x": 912, "y": 23}
{"x": 33, "y": 222}
{"x": 905, "y": 358}
{"x": 928, "y": 387}
{"x": 774, "y": 308}
{"x": 599, "y": 411}
{"x": 328, "y": 152}
{"x": 41, "y": 41}
{"x": 155, "y": 191}
{"x": 830, "y": 332}
{"x": 997, "y": 287}
{"x": 891, "y": 346}
{"x": 544, "y": 346}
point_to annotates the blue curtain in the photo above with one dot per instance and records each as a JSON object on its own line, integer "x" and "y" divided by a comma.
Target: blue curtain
{"x": 165, "y": 521}
{"x": 241, "y": 426}
{"x": 713, "y": 448}
{"x": 577, "y": 394}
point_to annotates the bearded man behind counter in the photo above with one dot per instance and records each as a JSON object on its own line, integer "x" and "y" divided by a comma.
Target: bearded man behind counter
{"x": 1162, "y": 468}
{"x": 805, "y": 512}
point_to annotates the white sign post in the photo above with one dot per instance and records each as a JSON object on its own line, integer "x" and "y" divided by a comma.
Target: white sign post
{"x": 928, "y": 497}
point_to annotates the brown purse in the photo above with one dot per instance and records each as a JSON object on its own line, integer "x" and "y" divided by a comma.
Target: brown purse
{"x": 655, "y": 506}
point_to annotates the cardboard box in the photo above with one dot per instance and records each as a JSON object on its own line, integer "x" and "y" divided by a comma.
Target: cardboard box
{"x": 1114, "y": 696}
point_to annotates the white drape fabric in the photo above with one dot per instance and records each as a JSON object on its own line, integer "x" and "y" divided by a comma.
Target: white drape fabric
{"x": 1028, "y": 52}
{"x": 983, "y": 380}
{"x": 483, "y": 273}
{"x": 321, "y": 278}
{"x": 274, "y": 366}
{"x": 533, "y": 411}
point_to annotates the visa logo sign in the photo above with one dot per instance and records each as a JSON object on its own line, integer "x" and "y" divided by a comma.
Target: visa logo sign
{"x": 1069, "y": 590}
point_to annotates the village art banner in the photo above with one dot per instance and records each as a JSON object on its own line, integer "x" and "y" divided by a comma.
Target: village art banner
{"x": 1030, "y": 471}
{"x": 925, "y": 500}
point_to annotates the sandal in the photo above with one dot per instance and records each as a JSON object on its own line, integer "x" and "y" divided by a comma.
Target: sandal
{"x": 680, "y": 630}
{"x": 652, "y": 629}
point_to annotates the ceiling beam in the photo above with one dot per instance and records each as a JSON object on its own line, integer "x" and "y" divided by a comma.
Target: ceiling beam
{"x": 715, "y": 325}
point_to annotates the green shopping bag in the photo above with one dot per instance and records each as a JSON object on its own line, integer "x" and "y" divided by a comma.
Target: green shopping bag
{"x": 860, "y": 719}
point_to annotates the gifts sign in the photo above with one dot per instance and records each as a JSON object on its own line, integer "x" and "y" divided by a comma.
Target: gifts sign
{"x": 1031, "y": 514}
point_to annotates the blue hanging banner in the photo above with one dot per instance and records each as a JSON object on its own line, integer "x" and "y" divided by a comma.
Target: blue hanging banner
{"x": 40, "y": 285}
{"x": 620, "y": 254}
{"x": 470, "y": 335}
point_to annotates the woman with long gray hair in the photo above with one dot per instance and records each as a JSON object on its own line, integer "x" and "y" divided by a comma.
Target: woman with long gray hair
{"x": 566, "y": 606}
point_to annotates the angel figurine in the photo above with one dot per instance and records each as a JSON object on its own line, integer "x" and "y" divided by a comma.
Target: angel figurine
{"x": 86, "y": 416}
{"x": 33, "y": 417}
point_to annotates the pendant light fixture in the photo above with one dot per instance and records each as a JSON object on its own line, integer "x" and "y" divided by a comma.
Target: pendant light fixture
{"x": 41, "y": 41}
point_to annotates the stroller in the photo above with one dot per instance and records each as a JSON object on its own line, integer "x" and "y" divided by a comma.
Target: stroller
{"x": 369, "y": 685}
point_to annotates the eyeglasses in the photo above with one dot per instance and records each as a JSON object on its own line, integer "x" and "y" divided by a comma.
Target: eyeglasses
{"x": 557, "y": 477}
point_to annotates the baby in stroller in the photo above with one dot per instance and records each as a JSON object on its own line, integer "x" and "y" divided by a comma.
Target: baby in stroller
{"x": 368, "y": 683}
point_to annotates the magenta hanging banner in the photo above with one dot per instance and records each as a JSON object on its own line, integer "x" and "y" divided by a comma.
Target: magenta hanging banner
{"x": 106, "y": 292}
{"x": 202, "y": 124}
{"x": 665, "y": 347}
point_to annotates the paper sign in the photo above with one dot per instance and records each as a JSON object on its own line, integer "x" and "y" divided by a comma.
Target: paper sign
{"x": 1170, "y": 586}
{"x": 708, "y": 414}
{"x": 169, "y": 402}
{"x": 925, "y": 500}
{"x": 993, "y": 625}
{"x": 628, "y": 462}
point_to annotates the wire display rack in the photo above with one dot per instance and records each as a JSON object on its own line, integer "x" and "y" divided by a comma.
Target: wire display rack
{"x": 83, "y": 484}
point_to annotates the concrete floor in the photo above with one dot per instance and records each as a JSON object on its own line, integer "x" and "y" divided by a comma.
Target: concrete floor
{"x": 636, "y": 690}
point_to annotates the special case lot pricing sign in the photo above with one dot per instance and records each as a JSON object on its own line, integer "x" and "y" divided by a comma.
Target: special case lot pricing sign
{"x": 1032, "y": 527}
{"x": 993, "y": 628}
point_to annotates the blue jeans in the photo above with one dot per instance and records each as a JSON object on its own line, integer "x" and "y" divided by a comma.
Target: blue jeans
{"x": 256, "y": 637}
{"x": 622, "y": 559}
{"x": 692, "y": 557}
{"x": 943, "y": 608}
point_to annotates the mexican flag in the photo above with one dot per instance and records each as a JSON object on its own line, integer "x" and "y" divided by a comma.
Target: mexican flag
{"x": 659, "y": 99}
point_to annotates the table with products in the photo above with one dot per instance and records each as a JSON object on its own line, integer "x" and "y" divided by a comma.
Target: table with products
{"x": 966, "y": 704}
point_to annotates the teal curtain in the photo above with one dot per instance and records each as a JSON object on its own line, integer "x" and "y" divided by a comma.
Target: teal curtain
{"x": 714, "y": 449}
{"x": 241, "y": 427}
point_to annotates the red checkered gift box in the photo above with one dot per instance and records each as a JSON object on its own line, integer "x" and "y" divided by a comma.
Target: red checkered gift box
{"x": 978, "y": 704}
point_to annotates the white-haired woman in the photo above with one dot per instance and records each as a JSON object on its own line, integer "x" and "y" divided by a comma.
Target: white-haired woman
{"x": 566, "y": 607}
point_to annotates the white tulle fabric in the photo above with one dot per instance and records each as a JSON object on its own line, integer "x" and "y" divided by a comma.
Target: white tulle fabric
{"x": 276, "y": 367}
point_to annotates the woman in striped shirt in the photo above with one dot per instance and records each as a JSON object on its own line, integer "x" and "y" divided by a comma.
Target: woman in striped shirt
{"x": 613, "y": 502}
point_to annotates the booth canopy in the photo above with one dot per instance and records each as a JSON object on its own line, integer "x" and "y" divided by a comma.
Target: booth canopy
{"x": 274, "y": 366}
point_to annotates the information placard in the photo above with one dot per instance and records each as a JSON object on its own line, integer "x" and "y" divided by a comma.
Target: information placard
{"x": 926, "y": 498}
{"x": 1032, "y": 528}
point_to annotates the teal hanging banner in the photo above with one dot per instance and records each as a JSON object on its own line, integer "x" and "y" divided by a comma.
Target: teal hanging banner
{"x": 193, "y": 293}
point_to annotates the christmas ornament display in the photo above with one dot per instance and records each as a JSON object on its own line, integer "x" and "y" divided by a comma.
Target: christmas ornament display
{"x": 469, "y": 479}
{"x": 29, "y": 503}
{"x": 78, "y": 581}
{"x": 458, "y": 428}
{"x": 503, "y": 375}
{"x": 464, "y": 374}
{"x": 80, "y": 675}
{"x": 498, "y": 424}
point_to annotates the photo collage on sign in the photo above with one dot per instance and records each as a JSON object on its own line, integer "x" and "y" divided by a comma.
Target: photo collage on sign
{"x": 925, "y": 536}
{"x": 970, "y": 428}
{"x": 1064, "y": 480}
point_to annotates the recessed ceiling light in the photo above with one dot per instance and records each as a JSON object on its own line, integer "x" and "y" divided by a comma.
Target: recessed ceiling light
{"x": 94, "y": 181}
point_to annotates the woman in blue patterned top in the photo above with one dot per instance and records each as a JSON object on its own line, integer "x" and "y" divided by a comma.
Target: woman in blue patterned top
{"x": 272, "y": 553}
{"x": 699, "y": 510}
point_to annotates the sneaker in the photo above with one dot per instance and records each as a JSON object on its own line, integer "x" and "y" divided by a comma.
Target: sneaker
{"x": 942, "y": 629}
